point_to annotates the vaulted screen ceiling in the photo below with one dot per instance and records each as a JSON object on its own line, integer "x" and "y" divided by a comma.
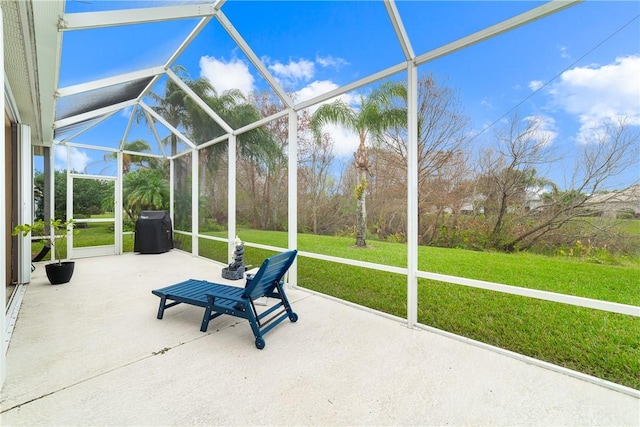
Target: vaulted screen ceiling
{"x": 95, "y": 60}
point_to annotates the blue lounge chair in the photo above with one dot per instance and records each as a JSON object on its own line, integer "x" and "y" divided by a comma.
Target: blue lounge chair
{"x": 218, "y": 299}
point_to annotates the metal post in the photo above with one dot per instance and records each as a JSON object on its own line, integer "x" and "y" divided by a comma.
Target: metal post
{"x": 47, "y": 153}
{"x": 194, "y": 202}
{"x": 231, "y": 192}
{"x": 69, "y": 213}
{"x": 293, "y": 194}
{"x": 51, "y": 186}
{"x": 412, "y": 195}
{"x": 172, "y": 184}
{"x": 24, "y": 187}
{"x": 118, "y": 204}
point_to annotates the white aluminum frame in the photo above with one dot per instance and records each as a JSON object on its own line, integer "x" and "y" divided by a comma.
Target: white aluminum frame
{"x": 102, "y": 250}
{"x": 412, "y": 195}
{"x": 25, "y": 196}
{"x": 111, "y": 18}
{"x": 212, "y": 10}
{"x": 109, "y": 81}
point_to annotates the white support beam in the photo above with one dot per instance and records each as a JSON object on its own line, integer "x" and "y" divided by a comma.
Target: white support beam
{"x": 172, "y": 178}
{"x": 497, "y": 29}
{"x": 85, "y": 129}
{"x": 92, "y": 114}
{"x": 110, "y": 81}
{"x": 88, "y": 147}
{"x": 154, "y": 131}
{"x": 183, "y": 154}
{"x": 398, "y": 27}
{"x": 360, "y": 264}
{"x": 194, "y": 96}
{"x": 352, "y": 86}
{"x": 47, "y": 44}
{"x": 128, "y": 128}
{"x": 24, "y": 187}
{"x": 199, "y": 27}
{"x": 195, "y": 211}
{"x": 292, "y": 192}
{"x": 69, "y": 209}
{"x": 166, "y": 124}
{"x": 118, "y": 203}
{"x": 231, "y": 195}
{"x": 612, "y": 307}
{"x": 260, "y": 122}
{"x": 80, "y": 175}
{"x": 213, "y": 142}
{"x": 412, "y": 195}
{"x": 136, "y": 153}
{"x": 235, "y": 35}
{"x": 49, "y": 179}
{"x": 111, "y": 18}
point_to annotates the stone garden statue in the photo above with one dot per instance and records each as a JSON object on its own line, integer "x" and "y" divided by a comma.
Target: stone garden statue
{"x": 235, "y": 271}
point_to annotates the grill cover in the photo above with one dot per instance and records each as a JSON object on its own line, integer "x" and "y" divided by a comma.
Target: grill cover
{"x": 154, "y": 233}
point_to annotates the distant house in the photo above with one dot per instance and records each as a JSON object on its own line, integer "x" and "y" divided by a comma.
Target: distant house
{"x": 618, "y": 202}
{"x": 475, "y": 205}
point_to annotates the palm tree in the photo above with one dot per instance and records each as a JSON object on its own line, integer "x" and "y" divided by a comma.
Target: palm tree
{"x": 145, "y": 189}
{"x": 257, "y": 146}
{"x": 175, "y": 106}
{"x": 374, "y": 115}
{"x": 129, "y": 160}
{"x": 232, "y": 106}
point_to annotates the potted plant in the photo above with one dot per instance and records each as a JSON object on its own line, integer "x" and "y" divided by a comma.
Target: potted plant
{"x": 58, "y": 272}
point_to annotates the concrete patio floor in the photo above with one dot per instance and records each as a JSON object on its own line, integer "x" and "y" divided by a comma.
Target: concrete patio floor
{"x": 91, "y": 352}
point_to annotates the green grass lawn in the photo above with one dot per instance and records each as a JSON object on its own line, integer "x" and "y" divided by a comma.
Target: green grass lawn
{"x": 602, "y": 344}
{"x": 94, "y": 234}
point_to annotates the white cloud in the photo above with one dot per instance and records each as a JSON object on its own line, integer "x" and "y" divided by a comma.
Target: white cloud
{"x": 485, "y": 103}
{"x": 293, "y": 71}
{"x": 545, "y": 127}
{"x": 318, "y": 87}
{"x": 126, "y": 112}
{"x": 233, "y": 74}
{"x": 345, "y": 141}
{"x": 564, "y": 52}
{"x": 598, "y": 92}
{"x": 314, "y": 89}
{"x": 535, "y": 85}
{"x": 330, "y": 61}
{"x": 78, "y": 159}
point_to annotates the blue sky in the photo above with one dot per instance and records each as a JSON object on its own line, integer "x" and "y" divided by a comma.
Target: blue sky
{"x": 584, "y": 62}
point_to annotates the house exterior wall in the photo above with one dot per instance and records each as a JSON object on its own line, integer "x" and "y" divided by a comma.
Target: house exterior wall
{"x": 3, "y": 184}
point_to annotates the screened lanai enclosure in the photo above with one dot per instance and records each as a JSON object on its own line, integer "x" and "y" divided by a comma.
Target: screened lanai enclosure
{"x": 425, "y": 158}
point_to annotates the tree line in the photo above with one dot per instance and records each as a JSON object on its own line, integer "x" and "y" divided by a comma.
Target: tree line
{"x": 487, "y": 198}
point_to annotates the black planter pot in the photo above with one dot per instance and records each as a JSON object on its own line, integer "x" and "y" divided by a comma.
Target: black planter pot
{"x": 60, "y": 273}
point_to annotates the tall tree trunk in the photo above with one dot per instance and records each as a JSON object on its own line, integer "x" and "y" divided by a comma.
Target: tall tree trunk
{"x": 254, "y": 197}
{"x": 174, "y": 145}
{"x": 497, "y": 228}
{"x": 361, "y": 210}
{"x": 362, "y": 165}
{"x": 314, "y": 216}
